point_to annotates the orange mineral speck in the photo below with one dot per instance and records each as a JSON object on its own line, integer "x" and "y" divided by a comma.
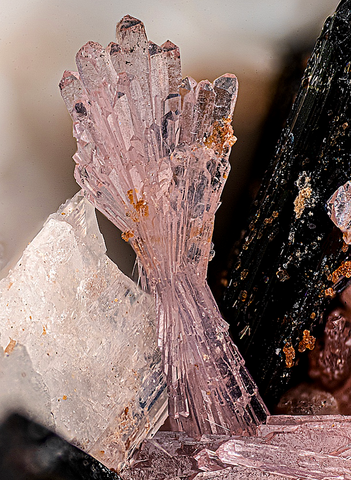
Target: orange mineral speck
{"x": 130, "y": 196}
{"x": 222, "y": 136}
{"x": 10, "y": 346}
{"x": 343, "y": 271}
{"x": 244, "y": 274}
{"x": 243, "y": 295}
{"x": 308, "y": 341}
{"x": 329, "y": 292}
{"x": 127, "y": 235}
{"x": 64, "y": 397}
{"x": 141, "y": 206}
{"x": 289, "y": 354}
{"x": 302, "y": 200}
{"x": 44, "y": 330}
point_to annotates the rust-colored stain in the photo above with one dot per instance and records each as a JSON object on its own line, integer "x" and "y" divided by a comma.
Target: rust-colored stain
{"x": 130, "y": 196}
{"x": 269, "y": 220}
{"x": 343, "y": 271}
{"x": 243, "y": 295}
{"x": 289, "y": 354}
{"x": 10, "y": 346}
{"x": 127, "y": 235}
{"x": 308, "y": 341}
{"x": 329, "y": 292}
{"x": 64, "y": 397}
{"x": 302, "y": 200}
{"x": 244, "y": 274}
{"x": 44, "y": 330}
{"x": 140, "y": 206}
{"x": 222, "y": 136}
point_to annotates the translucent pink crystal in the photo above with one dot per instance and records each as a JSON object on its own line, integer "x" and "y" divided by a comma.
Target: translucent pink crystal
{"x": 153, "y": 157}
{"x": 287, "y": 447}
{"x": 310, "y": 447}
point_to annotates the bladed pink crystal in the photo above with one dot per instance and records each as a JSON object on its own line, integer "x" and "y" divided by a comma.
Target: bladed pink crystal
{"x": 153, "y": 157}
{"x": 287, "y": 447}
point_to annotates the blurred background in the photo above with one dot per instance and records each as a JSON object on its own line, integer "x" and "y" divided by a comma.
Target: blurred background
{"x": 264, "y": 42}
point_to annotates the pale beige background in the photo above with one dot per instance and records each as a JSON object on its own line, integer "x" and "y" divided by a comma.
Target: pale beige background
{"x": 39, "y": 39}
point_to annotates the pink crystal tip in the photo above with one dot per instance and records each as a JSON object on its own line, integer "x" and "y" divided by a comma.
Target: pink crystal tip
{"x": 128, "y": 22}
{"x": 169, "y": 46}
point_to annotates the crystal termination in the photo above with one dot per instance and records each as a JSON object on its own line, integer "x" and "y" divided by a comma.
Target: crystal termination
{"x": 153, "y": 157}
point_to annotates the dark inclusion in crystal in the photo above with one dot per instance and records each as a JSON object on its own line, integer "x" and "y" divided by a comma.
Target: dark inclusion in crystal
{"x": 281, "y": 284}
{"x": 29, "y": 451}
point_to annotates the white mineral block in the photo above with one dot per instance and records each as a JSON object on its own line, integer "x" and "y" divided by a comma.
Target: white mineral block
{"x": 79, "y": 340}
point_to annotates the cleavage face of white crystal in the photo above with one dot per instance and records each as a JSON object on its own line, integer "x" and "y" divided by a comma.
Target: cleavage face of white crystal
{"x": 90, "y": 336}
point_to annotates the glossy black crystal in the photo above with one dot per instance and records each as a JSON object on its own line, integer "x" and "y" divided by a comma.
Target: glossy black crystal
{"x": 29, "y": 451}
{"x": 280, "y": 284}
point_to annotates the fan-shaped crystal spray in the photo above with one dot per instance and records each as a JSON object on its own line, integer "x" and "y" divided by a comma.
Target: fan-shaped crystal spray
{"x": 153, "y": 157}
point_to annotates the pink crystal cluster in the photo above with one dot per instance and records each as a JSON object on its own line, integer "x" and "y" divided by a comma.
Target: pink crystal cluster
{"x": 153, "y": 157}
{"x": 286, "y": 447}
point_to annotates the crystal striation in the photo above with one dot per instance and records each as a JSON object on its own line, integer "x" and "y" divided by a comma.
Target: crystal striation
{"x": 286, "y": 447}
{"x": 79, "y": 338}
{"x": 283, "y": 279}
{"x": 153, "y": 157}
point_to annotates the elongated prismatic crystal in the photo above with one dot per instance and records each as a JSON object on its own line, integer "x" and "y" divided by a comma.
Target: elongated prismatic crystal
{"x": 153, "y": 157}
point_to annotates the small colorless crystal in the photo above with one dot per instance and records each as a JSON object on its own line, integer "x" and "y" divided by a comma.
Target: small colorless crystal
{"x": 79, "y": 339}
{"x": 339, "y": 210}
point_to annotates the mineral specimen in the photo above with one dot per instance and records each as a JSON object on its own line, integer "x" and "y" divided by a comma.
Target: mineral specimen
{"x": 153, "y": 157}
{"x": 283, "y": 279}
{"x": 79, "y": 338}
